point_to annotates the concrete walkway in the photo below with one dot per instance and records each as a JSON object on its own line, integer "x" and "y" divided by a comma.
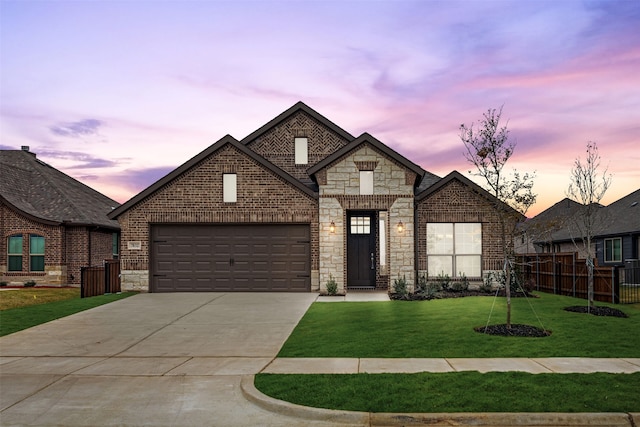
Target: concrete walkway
{"x": 190, "y": 359}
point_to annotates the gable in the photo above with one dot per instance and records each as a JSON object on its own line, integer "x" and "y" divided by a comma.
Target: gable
{"x": 275, "y": 141}
{"x": 196, "y": 188}
{"x": 342, "y": 176}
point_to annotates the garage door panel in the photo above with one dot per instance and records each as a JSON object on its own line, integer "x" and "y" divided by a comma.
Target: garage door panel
{"x": 230, "y": 258}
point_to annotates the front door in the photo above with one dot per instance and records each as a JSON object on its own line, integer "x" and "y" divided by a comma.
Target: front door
{"x": 361, "y": 250}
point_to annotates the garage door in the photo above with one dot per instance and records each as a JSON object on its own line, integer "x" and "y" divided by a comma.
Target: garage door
{"x": 200, "y": 258}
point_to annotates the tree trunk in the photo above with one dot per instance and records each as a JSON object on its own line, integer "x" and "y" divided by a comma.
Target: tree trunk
{"x": 589, "y": 285}
{"x": 507, "y": 290}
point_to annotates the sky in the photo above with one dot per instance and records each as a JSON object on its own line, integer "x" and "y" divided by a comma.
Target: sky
{"x": 119, "y": 93}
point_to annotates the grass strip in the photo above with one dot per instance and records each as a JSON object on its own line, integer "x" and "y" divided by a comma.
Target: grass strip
{"x": 18, "y": 319}
{"x": 444, "y": 328}
{"x": 457, "y": 392}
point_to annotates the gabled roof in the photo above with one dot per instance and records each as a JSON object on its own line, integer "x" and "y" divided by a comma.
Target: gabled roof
{"x": 552, "y": 222}
{"x": 621, "y": 216}
{"x": 298, "y": 106}
{"x": 43, "y": 193}
{"x": 365, "y": 138}
{"x": 457, "y": 176}
{"x": 226, "y": 140}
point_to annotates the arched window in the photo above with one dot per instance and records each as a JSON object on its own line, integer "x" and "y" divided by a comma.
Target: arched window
{"x": 36, "y": 253}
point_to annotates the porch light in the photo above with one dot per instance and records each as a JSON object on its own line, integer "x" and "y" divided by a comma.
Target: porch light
{"x": 400, "y": 227}
{"x": 332, "y": 227}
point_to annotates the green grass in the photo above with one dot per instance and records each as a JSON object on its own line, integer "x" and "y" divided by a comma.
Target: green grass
{"x": 17, "y": 319}
{"x": 22, "y": 297}
{"x": 458, "y": 392}
{"x": 444, "y": 328}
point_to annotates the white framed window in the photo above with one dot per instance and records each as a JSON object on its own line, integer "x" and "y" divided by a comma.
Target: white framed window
{"x": 382, "y": 239}
{"x": 360, "y": 225}
{"x": 229, "y": 188}
{"x": 36, "y": 253}
{"x": 613, "y": 250}
{"x": 366, "y": 182}
{"x": 454, "y": 249}
{"x": 301, "y": 151}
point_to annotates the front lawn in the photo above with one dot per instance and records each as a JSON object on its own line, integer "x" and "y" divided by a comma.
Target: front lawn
{"x": 17, "y": 319}
{"x": 458, "y": 392}
{"x": 444, "y": 328}
{"x": 23, "y": 297}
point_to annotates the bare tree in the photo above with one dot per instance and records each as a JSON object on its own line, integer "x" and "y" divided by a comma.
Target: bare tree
{"x": 588, "y": 187}
{"x": 489, "y": 149}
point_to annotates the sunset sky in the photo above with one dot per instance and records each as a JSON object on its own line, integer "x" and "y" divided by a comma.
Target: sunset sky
{"x": 119, "y": 93}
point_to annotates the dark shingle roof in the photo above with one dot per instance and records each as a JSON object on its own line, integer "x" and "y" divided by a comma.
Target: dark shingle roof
{"x": 621, "y": 216}
{"x": 44, "y": 193}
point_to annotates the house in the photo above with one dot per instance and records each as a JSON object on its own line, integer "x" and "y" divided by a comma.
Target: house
{"x": 298, "y": 202}
{"x": 51, "y": 224}
{"x": 615, "y": 231}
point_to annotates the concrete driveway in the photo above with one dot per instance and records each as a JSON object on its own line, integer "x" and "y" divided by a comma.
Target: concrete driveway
{"x": 151, "y": 359}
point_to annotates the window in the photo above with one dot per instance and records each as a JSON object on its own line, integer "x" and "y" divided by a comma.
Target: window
{"x": 366, "y": 182}
{"x": 302, "y": 151}
{"x": 36, "y": 253}
{"x": 382, "y": 241}
{"x": 229, "y": 188}
{"x": 15, "y": 253}
{"x": 115, "y": 246}
{"x": 360, "y": 225}
{"x": 613, "y": 250}
{"x": 454, "y": 249}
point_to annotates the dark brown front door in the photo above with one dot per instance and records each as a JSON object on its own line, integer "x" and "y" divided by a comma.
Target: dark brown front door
{"x": 361, "y": 250}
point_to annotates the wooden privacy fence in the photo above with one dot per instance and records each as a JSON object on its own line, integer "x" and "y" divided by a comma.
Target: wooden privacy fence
{"x": 100, "y": 280}
{"x": 566, "y": 274}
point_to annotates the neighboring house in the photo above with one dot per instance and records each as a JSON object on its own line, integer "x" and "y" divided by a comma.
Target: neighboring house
{"x": 616, "y": 231}
{"x": 51, "y": 225}
{"x": 300, "y": 201}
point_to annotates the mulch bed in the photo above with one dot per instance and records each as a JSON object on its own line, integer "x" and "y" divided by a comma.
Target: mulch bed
{"x": 596, "y": 311}
{"x": 515, "y": 331}
{"x": 457, "y": 294}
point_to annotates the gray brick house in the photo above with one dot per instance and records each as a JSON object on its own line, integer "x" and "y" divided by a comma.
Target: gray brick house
{"x": 51, "y": 225}
{"x": 296, "y": 202}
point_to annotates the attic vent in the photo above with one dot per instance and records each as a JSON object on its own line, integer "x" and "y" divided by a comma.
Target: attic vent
{"x": 25, "y": 148}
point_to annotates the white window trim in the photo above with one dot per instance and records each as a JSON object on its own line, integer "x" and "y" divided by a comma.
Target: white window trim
{"x": 453, "y": 254}
{"x": 612, "y": 252}
{"x": 301, "y": 151}
{"x": 229, "y": 188}
{"x": 366, "y": 183}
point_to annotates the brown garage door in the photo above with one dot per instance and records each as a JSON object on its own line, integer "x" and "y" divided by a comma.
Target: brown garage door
{"x": 200, "y": 258}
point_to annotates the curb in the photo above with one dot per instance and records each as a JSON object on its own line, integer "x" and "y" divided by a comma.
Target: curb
{"x": 252, "y": 394}
{"x": 495, "y": 419}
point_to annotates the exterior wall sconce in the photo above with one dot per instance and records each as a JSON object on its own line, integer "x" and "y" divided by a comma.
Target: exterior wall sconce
{"x": 332, "y": 227}
{"x": 400, "y": 227}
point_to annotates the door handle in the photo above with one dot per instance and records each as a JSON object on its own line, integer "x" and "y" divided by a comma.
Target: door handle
{"x": 373, "y": 261}
{"x": 232, "y": 261}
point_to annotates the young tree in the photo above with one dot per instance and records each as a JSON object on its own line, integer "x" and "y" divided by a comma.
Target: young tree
{"x": 587, "y": 187}
{"x": 488, "y": 149}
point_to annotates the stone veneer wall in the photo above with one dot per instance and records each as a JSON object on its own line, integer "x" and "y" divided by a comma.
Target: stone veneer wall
{"x": 340, "y": 192}
{"x": 196, "y": 197}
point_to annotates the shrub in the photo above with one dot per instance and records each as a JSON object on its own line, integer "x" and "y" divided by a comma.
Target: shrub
{"x": 444, "y": 280}
{"x": 400, "y": 287}
{"x": 422, "y": 285}
{"x": 460, "y": 285}
{"x": 332, "y": 286}
{"x": 29, "y": 284}
{"x": 486, "y": 286}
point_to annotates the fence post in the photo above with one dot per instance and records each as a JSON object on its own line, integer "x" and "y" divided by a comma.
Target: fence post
{"x": 107, "y": 276}
{"x": 615, "y": 289}
{"x": 82, "y": 281}
{"x": 537, "y": 272}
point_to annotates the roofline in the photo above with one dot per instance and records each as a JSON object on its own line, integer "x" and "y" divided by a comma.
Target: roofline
{"x": 227, "y": 139}
{"x": 27, "y": 214}
{"x": 298, "y": 106}
{"x": 367, "y": 138}
{"x": 455, "y": 175}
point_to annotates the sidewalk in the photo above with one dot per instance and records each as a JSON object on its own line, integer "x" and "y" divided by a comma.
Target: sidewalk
{"x": 558, "y": 365}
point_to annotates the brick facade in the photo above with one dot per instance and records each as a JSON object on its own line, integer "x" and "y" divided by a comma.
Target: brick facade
{"x": 196, "y": 197}
{"x": 272, "y": 189}
{"x": 67, "y": 249}
{"x": 457, "y": 202}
